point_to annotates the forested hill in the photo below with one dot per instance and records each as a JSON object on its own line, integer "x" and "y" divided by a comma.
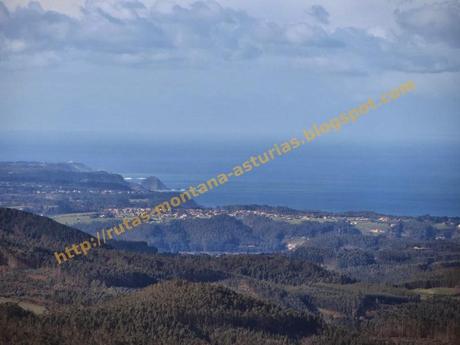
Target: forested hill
{"x": 115, "y": 296}
{"x": 166, "y": 313}
{"x": 71, "y": 174}
{"x": 58, "y": 188}
{"x": 32, "y": 239}
{"x": 36, "y": 231}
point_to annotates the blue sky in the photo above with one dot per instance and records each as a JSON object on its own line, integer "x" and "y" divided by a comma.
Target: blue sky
{"x": 228, "y": 69}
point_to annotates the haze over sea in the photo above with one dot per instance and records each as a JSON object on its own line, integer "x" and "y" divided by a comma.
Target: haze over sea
{"x": 329, "y": 175}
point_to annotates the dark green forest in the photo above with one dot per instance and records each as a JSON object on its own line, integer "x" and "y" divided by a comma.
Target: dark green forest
{"x": 340, "y": 287}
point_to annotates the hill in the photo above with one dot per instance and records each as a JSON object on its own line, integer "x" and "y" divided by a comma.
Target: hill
{"x": 76, "y": 175}
{"x": 31, "y": 240}
{"x": 57, "y": 188}
{"x": 173, "y": 312}
{"x": 153, "y": 184}
{"x": 127, "y": 296}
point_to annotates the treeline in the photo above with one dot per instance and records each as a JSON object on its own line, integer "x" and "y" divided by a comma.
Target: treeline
{"x": 223, "y": 233}
{"x": 117, "y": 268}
{"x": 437, "y": 319}
{"x": 431, "y": 322}
{"x": 131, "y": 296}
{"x": 168, "y": 313}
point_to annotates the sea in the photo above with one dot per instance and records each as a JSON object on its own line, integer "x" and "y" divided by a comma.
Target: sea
{"x": 392, "y": 178}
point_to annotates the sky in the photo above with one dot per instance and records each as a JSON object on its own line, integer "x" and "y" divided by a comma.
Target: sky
{"x": 228, "y": 69}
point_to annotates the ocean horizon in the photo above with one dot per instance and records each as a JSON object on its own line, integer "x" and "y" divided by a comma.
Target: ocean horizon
{"x": 335, "y": 176}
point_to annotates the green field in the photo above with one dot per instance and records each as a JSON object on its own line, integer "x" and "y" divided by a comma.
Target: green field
{"x": 441, "y": 291}
{"x": 73, "y": 218}
{"x": 33, "y": 307}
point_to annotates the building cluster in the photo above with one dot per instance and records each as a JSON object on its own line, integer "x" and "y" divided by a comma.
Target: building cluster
{"x": 206, "y": 213}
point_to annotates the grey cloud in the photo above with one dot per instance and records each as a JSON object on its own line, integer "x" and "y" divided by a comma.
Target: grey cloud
{"x": 319, "y": 13}
{"x": 438, "y": 22}
{"x": 128, "y": 32}
{"x": 4, "y": 13}
{"x": 37, "y": 29}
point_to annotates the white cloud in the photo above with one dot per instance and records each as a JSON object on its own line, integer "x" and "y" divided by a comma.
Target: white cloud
{"x": 163, "y": 32}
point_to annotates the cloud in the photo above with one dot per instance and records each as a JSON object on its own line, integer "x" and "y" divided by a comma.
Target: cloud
{"x": 319, "y": 13}
{"x": 131, "y": 32}
{"x": 438, "y": 22}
